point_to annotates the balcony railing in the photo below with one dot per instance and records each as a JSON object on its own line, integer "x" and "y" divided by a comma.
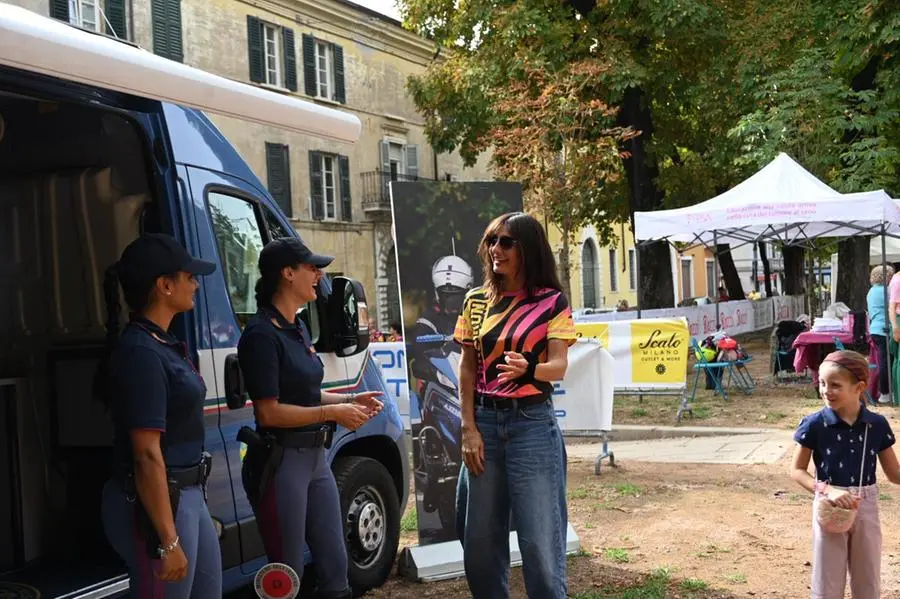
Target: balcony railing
{"x": 376, "y": 197}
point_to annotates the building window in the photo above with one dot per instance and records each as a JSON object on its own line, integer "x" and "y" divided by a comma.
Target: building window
{"x": 167, "y": 37}
{"x": 632, "y": 270}
{"x": 613, "y": 273}
{"x": 711, "y": 279}
{"x": 323, "y": 69}
{"x": 329, "y": 183}
{"x": 278, "y": 171}
{"x": 272, "y": 54}
{"x": 588, "y": 271}
{"x": 687, "y": 278}
{"x": 101, "y": 16}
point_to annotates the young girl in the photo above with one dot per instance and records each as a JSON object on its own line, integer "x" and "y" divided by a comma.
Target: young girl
{"x": 834, "y": 437}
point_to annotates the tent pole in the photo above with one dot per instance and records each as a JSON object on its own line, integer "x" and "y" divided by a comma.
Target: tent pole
{"x": 716, "y": 269}
{"x": 887, "y": 305}
{"x": 637, "y": 278}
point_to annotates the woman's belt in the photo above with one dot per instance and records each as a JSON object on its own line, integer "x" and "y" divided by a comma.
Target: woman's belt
{"x": 496, "y": 402}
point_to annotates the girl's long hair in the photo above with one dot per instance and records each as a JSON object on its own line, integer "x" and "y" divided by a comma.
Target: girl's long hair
{"x": 535, "y": 256}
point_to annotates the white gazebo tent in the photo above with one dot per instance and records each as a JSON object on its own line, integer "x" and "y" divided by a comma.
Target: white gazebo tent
{"x": 782, "y": 202}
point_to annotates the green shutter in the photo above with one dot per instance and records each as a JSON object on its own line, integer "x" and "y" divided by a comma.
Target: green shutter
{"x": 59, "y": 9}
{"x": 346, "y": 203}
{"x": 309, "y": 65}
{"x": 115, "y": 15}
{"x": 340, "y": 93}
{"x": 278, "y": 169}
{"x": 167, "y": 36}
{"x": 412, "y": 162}
{"x": 290, "y": 59}
{"x": 315, "y": 186}
{"x": 255, "y": 46}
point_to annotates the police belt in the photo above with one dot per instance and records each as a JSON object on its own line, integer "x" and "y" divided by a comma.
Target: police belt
{"x": 301, "y": 439}
{"x": 496, "y": 402}
{"x": 176, "y": 477}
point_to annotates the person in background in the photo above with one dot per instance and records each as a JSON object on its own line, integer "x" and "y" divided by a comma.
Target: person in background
{"x": 154, "y": 507}
{"x": 878, "y": 327}
{"x": 396, "y": 333}
{"x": 515, "y": 331}
{"x": 375, "y": 336}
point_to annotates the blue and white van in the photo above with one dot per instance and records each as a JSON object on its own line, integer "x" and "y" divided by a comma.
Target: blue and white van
{"x": 100, "y": 140}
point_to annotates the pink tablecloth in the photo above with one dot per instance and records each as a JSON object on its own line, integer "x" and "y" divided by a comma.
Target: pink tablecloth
{"x": 808, "y": 354}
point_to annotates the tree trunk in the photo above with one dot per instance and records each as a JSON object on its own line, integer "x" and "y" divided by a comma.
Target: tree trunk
{"x": 853, "y": 272}
{"x": 767, "y": 272}
{"x": 794, "y": 283}
{"x": 655, "y": 288}
{"x": 729, "y": 272}
{"x": 565, "y": 262}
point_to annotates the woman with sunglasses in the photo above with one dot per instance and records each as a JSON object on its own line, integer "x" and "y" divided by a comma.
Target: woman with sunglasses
{"x": 288, "y": 481}
{"x": 515, "y": 332}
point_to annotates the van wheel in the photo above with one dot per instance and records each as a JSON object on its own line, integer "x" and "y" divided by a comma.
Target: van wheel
{"x": 371, "y": 511}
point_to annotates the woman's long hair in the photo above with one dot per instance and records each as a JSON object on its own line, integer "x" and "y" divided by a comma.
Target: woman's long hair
{"x": 535, "y": 256}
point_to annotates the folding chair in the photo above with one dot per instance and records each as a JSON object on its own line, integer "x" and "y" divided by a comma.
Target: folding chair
{"x": 716, "y": 371}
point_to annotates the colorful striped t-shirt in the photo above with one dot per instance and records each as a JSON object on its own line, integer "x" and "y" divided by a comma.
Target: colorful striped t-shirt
{"x": 515, "y": 323}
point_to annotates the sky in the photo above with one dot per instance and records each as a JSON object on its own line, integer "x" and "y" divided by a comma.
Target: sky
{"x": 385, "y": 7}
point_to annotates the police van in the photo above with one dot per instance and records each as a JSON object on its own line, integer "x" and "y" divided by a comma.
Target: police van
{"x": 100, "y": 141}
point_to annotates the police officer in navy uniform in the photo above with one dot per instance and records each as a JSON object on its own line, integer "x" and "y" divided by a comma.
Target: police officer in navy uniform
{"x": 154, "y": 507}
{"x": 286, "y": 477}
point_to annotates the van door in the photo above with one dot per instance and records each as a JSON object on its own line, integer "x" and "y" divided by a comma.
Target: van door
{"x": 236, "y": 224}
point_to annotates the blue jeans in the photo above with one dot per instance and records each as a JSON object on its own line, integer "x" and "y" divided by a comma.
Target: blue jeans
{"x": 524, "y": 473}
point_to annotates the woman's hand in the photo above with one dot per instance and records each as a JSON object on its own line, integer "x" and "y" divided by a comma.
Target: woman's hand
{"x": 370, "y": 402}
{"x": 841, "y": 498}
{"x": 174, "y": 565}
{"x": 473, "y": 450}
{"x": 349, "y": 415}
{"x": 516, "y": 366}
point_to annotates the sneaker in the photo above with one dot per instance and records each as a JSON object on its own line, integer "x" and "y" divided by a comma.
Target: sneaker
{"x": 885, "y": 399}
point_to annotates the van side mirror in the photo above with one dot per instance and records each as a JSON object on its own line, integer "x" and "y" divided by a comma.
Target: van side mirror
{"x": 348, "y": 316}
{"x": 235, "y": 394}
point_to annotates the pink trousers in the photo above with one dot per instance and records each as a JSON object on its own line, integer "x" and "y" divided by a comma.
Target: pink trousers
{"x": 858, "y": 550}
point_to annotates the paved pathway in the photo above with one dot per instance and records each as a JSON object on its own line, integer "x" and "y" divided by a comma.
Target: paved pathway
{"x": 757, "y": 447}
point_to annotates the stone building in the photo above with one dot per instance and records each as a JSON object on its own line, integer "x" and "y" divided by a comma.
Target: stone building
{"x": 331, "y": 52}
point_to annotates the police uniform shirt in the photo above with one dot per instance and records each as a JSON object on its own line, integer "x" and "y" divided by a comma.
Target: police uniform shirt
{"x": 837, "y": 447}
{"x": 154, "y": 385}
{"x": 277, "y": 360}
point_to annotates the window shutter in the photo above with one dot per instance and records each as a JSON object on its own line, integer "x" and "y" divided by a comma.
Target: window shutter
{"x": 340, "y": 93}
{"x": 278, "y": 170}
{"x": 346, "y": 203}
{"x": 412, "y": 162}
{"x": 59, "y": 9}
{"x": 115, "y": 14}
{"x": 255, "y": 49}
{"x": 315, "y": 186}
{"x": 309, "y": 65}
{"x": 290, "y": 60}
{"x": 166, "y": 16}
{"x": 384, "y": 150}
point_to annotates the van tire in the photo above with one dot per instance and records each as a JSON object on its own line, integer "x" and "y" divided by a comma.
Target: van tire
{"x": 367, "y": 492}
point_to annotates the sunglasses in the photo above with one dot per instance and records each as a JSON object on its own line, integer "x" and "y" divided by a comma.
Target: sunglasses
{"x": 504, "y": 241}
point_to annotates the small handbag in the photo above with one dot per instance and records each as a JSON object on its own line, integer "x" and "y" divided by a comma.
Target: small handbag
{"x": 831, "y": 517}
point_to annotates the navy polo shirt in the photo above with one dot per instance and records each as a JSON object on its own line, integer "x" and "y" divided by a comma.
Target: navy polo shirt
{"x": 154, "y": 385}
{"x": 838, "y": 447}
{"x": 278, "y": 361}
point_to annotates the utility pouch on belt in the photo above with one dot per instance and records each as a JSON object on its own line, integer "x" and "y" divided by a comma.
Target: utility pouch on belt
{"x": 176, "y": 480}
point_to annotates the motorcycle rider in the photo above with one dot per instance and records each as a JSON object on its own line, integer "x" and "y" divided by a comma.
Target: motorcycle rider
{"x": 452, "y": 278}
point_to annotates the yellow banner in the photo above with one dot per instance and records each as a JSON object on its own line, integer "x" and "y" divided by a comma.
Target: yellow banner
{"x": 595, "y": 330}
{"x": 659, "y": 352}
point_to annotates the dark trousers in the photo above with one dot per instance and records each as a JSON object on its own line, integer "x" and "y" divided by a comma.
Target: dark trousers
{"x": 884, "y": 370}
{"x": 300, "y": 505}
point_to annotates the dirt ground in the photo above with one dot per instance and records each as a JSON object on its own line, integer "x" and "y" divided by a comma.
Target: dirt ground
{"x": 652, "y": 530}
